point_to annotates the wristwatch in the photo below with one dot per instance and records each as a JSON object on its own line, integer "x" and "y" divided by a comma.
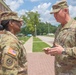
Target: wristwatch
{"x": 64, "y": 52}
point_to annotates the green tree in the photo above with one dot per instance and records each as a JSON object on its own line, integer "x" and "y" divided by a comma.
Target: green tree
{"x": 45, "y": 28}
{"x": 75, "y": 18}
{"x": 31, "y": 19}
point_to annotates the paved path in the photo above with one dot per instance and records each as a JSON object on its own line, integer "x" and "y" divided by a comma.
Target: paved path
{"x": 28, "y": 45}
{"x": 38, "y": 62}
{"x": 46, "y": 39}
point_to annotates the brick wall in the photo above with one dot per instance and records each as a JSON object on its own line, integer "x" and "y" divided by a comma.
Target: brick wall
{"x": 3, "y": 8}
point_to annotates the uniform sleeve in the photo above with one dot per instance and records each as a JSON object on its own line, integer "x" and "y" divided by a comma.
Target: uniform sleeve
{"x": 72, "y": 51}
{"x": 15, "y": 47}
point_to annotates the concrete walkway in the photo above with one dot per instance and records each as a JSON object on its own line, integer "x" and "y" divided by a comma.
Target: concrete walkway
{"x": 28, "y": 45}
{"x": 46, "y": 39}
{"x": 38, "y": 62}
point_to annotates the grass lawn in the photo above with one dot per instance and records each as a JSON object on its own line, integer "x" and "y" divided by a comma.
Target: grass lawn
{"x": 23, "y": 39}
{"x": 38, "y": 45}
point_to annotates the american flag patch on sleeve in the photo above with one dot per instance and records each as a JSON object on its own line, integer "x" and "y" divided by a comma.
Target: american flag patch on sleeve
{"x": 11, "y": 51}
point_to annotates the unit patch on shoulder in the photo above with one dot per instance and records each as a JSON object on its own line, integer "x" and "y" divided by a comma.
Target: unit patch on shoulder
{"x": 11, "y": 51}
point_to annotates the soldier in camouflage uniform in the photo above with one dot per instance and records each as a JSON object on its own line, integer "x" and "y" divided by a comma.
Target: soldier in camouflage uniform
{"x": 12, "y": 53}
{"x": 64, "y": 46}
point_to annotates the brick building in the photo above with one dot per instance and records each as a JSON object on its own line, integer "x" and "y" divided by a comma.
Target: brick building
{"x": 4, "y": 6}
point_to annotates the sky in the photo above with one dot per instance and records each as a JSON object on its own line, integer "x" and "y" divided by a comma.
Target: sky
{"x": 42, "y": 6}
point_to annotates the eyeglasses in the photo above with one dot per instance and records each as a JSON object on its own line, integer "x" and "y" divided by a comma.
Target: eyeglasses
{"x": 19, "y": 23}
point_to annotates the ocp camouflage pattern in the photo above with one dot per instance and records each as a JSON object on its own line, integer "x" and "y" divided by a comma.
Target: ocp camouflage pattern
{"x": 12, "y": 55}
{"x": 66, "y": 37}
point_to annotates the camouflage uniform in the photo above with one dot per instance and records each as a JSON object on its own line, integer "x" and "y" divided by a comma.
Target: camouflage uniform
{"x": 66, "y": 37}
{"x": 65, "y": 64}
{"x": 12, "y": 53}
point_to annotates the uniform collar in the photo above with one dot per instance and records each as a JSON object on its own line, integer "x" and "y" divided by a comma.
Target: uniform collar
{"x": 9, "y": 33}
{"x": 67, "y": 25}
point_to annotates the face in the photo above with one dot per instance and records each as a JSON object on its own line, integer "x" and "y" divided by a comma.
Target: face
{"x": 60, "y": 16}
{"x": 17, "y": 25}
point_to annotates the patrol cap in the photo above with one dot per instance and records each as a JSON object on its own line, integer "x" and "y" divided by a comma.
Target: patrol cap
{"x": 6, "y": 15}
{"x": 58, "y": 6}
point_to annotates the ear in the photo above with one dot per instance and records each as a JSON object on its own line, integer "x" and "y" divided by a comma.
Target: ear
{"x": 66, "y": 10}
{"x": 10, "y": 23}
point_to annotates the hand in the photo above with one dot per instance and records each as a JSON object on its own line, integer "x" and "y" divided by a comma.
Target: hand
{"x": 46, "y": 50}
{"x": 55, "y": 50}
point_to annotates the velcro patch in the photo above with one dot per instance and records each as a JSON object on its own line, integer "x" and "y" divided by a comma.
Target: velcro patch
{"x": 11, "y": 51}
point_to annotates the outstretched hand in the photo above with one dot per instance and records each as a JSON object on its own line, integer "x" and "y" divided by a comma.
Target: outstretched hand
{"x": 54, "y": 51}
